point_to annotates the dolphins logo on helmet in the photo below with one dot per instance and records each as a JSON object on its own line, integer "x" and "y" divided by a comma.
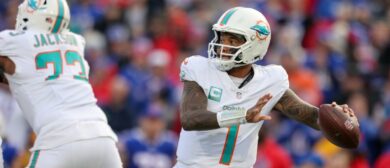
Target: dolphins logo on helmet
{"x": 262, "y": 30}
{"x": 33, "y": 4}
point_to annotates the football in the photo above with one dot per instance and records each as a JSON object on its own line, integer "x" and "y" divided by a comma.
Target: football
{"x": 338, "y": 127}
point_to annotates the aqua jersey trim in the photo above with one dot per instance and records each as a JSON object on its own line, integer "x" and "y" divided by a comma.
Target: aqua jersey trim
{"x": 34, "y": 160}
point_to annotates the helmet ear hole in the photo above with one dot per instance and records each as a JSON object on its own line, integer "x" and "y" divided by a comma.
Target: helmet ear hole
{"x": 49, "y": 20}
{"x": 238, "y": 58}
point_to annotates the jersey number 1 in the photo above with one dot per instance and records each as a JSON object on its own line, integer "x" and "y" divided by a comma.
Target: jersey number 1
{"x": 55, "y": 58}
{"x": 230, "y": 144}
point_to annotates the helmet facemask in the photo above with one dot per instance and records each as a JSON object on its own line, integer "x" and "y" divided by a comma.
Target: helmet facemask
{"x": 226, "y": 57}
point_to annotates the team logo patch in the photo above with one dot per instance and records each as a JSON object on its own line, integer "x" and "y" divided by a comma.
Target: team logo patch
{"x": 262, "y": 30}
{"x": 215, "y": 94}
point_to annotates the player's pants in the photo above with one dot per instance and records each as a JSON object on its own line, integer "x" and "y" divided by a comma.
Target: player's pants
{"x": 93, "y": 153}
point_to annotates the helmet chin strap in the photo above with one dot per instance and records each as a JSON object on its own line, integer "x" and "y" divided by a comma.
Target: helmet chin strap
{"x": 241, "y": 63}
{"x": 236, "y": 65}
{"x": 221, "y": 66}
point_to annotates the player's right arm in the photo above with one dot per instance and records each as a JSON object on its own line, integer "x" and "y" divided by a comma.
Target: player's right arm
{"x": 194, "y": 114}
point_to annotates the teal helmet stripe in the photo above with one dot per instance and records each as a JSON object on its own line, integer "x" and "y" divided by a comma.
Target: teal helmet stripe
{"x": 60, "y": 17}
{"x": 227, "y": 16}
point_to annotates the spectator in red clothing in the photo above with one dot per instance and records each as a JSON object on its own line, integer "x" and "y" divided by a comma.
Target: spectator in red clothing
{"x": 384, "y": 160}
{"x": 163, "y": 37}
{"x": 270, "y": 154}
{"x": 359, "y": 161}
{"x": 101, "y": 82}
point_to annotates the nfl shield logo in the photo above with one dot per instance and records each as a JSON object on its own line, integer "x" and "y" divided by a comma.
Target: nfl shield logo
{"x": 239, "y": 95}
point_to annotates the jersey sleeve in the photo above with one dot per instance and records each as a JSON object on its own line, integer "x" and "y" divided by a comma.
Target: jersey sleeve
{"x": 10, "y": 46}
{"x": 279, "y": 85}
{"x": 282, "y": 80}
{"x": 80, "y": 39}
{"x": 7, "y": 44}
{"x": 189, "y": 68}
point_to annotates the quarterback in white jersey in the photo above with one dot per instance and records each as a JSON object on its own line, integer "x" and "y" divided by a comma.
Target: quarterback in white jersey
{"x": 45, "y": 68}
{"x": 221, "y": 111}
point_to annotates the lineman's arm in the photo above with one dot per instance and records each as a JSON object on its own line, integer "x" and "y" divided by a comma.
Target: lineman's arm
{"x": 294, "y": 107}
{"x": 6, "y": 66}
{"x": 194, "y": 114}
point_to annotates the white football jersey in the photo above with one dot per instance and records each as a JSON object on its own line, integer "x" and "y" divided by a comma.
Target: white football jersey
{"x": 51, "y": 86}
{"x": 235, "y": 146}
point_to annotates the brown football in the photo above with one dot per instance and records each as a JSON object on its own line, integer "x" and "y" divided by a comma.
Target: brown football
{"x": 338, "y": 127}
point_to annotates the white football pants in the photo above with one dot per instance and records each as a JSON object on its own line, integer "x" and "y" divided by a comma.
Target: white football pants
{"x": 92, "y": 153}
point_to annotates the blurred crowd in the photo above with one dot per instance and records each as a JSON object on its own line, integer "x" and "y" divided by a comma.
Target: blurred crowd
{"x": 333, "y": 50}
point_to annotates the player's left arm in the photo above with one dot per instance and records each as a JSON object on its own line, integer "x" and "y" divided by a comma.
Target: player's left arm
{"x": 296, "y": 108}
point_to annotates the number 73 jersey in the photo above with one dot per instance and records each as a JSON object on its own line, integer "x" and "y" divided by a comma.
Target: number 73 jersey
{"x": 51, "y": 77}
{"x": 235, "y": 146}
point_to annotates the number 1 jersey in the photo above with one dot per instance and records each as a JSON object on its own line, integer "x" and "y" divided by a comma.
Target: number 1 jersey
{"x": 235, "y": 146}
{"x": 51, "y": 86}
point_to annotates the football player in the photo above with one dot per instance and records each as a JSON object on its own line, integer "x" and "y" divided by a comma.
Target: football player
{"x": 45, "y": 68}
{"x": 227, "y": 97}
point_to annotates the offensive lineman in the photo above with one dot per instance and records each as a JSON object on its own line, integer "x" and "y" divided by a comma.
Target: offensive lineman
{"x": 221, "y": 111}
{"x": 45, "y": 68}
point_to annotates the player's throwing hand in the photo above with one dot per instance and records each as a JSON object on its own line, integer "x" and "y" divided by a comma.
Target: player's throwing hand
{"x": 347, "y": 109}
{"x": 253, "y": 114}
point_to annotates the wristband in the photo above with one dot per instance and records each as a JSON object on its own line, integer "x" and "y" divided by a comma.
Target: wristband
{"x": 230, "y": 118}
